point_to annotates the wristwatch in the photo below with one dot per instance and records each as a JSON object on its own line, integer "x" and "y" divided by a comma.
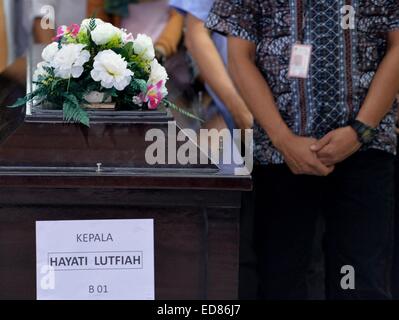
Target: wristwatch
{"x": 365, "y": 133}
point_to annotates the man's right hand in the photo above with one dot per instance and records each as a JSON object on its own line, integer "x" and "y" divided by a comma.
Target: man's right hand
{"x": 298, "y": 156}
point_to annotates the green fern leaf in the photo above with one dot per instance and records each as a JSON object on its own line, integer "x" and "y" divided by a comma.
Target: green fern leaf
{"x": 73, "y": 112}
{"x": 92, "y": 24}
{"x": 19, "y": 103}
{"x": 171, "y": 105}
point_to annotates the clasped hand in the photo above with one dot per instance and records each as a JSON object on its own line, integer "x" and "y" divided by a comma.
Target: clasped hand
{"x": 308, "y": 156}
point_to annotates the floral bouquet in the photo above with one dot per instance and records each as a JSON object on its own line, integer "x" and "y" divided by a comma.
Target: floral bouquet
{"x": 98, "y": 59}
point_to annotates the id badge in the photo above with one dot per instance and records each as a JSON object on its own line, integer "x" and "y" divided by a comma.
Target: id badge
{"x": 300, "y": 61}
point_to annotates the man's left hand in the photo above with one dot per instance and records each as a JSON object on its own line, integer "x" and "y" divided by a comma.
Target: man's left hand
{"x": 337, "y": 146}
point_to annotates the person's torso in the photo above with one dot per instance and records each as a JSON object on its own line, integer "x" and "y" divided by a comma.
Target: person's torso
{"x": 343, "y": 63}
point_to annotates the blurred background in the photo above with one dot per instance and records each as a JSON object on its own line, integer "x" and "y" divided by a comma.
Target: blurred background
{"x": 173, "y": 25}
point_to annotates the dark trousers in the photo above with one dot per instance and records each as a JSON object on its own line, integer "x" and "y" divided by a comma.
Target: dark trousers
{"x": 395, "y": 268}
{"x": 357, "y": 203}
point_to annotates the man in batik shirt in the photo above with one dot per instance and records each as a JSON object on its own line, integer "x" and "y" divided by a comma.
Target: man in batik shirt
{"x": 324, "y": 136}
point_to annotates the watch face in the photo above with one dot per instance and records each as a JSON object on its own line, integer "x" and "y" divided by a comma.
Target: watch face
{"x": 365, "y": 134}
{"x": 368, "y": 136}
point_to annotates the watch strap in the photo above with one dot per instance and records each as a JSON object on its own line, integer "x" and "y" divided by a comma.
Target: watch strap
{"x": 365, "y": 133}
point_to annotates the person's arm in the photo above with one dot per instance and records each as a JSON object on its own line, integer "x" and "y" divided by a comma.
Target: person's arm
{"x": 258, "y": 96}
{"x": 339, "y": 144}
{"x": 96, "y": 8}
{"x": 384, "y": 87}
{"x": 199, "y": 43}
{"x": 171, "y": 36}
{"x": 40, "y": 35}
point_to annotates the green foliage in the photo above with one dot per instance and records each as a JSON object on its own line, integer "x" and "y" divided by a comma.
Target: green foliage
{"x": 83, "y": 37}
{"x": 126, "y": 51}
{"x": 70, "y": 39}
{"x": 140, "y": 67}
{"x": 115, "y": 42}
{"x": 92, "y": 24}
{"x": 73, "y": 111}
{"x": 171, "y": 105}
{"x": 20, "y": 102}
{"x": 139, "y": 86}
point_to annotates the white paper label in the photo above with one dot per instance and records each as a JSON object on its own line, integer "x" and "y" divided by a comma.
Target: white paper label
{"x": 300, "y": 61}
{"x": 95, "y": 260}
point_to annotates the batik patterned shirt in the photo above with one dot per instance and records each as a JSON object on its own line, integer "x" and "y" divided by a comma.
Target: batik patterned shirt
{"x": 343, "y": 64}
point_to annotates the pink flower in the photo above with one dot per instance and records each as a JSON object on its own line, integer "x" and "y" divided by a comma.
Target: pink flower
{"x": 74, "y": 29}
{"x": 62, "y": 31}
{"x": 127, "y": 37}
{"x": 154, "y": 95}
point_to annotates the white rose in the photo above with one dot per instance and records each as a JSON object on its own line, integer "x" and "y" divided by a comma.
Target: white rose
{"x": 104, "y": 33}
{"x": 86, "y": 23}
{"x": 112, "y": 70}
{"x": 50, "y": 51}
{"x": 144, "y": 46}
{"x": 41, "y": 71}
{"x": 158, "y": 73}
{"x": 69, "y": 61}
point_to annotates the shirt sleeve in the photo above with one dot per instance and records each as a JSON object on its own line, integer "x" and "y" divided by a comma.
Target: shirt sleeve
{"x": 238, "y": 18}
{"x": 198, "y": 8}
{"x": 393, "y": 23}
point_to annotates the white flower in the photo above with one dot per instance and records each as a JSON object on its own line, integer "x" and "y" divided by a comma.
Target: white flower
{"x": 111, "y": 69}
{"x": 50, "y": 51}
{"x": 104, "y": 33}
{"x": 68, "y": 62}
{"x": 144, "y": 46}
{"x": 41, "y": 71}
{"x": 158, "y": 73}
{"x": 86, "y": 23}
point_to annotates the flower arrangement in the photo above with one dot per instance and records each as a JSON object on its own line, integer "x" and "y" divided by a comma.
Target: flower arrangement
{"x": 98, "y": 57}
